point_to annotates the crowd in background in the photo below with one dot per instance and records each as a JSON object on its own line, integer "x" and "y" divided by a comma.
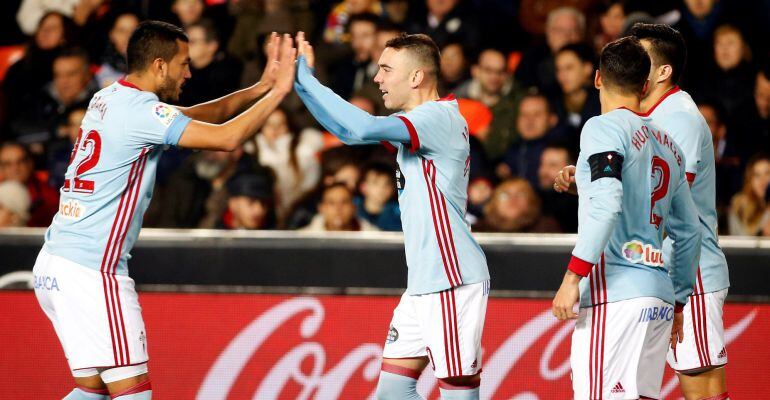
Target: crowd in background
{"x": 522, "y": 71}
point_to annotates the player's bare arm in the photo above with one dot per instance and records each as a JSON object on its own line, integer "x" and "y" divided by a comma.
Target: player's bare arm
{"x": 219, "y": 110}
{"x": 566, "y": 297}
{"x": 231, "y": 134}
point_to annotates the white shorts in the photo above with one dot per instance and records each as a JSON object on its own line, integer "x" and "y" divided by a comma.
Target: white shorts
{"x": 445, "y": 326}
{"x": 96, "y": 316}
{"x": 703, "y": 345}
{"x": 619, "y": 349}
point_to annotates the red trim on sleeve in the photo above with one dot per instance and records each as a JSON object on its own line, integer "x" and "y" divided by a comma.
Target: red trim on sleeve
{"x": 389, "y": 147}
{"x": 678, "y": 307}
{"x": 580, "y": 267}
{"x": 128, "y": 84}
{"x": 690, "y": 177}
{"x": 415, "y": 140}
{"x": 399, "y": 370}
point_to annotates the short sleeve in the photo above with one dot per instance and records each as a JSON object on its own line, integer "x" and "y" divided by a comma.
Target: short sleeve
{"x": 684, "y": 129}
{"x": 157, "y": 123}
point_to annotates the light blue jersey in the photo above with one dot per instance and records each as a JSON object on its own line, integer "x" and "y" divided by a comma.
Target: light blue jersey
{"x": 678, "y": 115}
{"x": 109, "y": 182}
{"x": 433, "y": 159}
{"x": 632, "y": 185}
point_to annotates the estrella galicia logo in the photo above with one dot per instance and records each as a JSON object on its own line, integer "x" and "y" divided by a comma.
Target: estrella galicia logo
{"x": 400, "y": 180}
{"x": 392, "y": 335}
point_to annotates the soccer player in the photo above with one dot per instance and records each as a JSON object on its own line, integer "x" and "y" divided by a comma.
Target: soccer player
{"x": 108, "y": 185}
{"x": 440, "y": 318}
{"x": 700, "y": 359}
{"x": 632, "y": 188}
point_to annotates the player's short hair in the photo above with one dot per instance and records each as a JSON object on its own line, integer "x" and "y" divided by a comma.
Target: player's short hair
{"x": 422, "y": 47}
{"x": 667, "y": 46}
{"x": 152, "y": 40}
{"x": 625, "y": 65}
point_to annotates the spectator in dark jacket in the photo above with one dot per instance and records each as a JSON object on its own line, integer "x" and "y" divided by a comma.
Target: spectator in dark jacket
{"x": 16, "y": 165}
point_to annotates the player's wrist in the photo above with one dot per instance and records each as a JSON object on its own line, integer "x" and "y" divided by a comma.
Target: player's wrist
{"x": 678, "y": 307}
{"x": 579, "y": 266}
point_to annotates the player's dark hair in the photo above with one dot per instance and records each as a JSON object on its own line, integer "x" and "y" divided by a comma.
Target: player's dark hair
{"x": 625, "y": 65}
{"x": 583, "y": 52}
{"x": 152, "y": 40}
{"x": 421, "y": 46}
{"x": 667, "y": 46}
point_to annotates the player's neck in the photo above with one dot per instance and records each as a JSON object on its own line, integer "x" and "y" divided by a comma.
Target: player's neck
{"x": 422, "y": 95}
{"x": 613, "y": 101}
{"x": 143, "y": 82}
{"x": 656, "y": 93}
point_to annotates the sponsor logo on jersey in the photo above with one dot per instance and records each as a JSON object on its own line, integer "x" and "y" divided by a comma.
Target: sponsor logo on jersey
{"x": 165, "y": 113}
{"x": 392, "y": 335}
{"x": 642, "y": 253}
{"x": 656, "y": 313}
{"x": 71, "y": 209}
{"x": 46, "y": 282}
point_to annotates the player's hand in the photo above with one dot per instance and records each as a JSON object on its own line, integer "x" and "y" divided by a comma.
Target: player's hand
{"x": 677, "y": 330}
{"x": 305, "y": 49}
{"x": 284, "y": 79}
{"x": 566, "y": 297}
{"x": 565, "y": 180}
{"x": 272, "y": 67}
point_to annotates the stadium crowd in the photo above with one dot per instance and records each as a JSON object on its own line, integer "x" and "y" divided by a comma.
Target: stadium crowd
{"x": 523, "y": 71}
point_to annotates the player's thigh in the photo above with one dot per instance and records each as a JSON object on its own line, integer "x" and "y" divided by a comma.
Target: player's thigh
{"x": 404, "y": 340}
{"x": 703, "y": 344}
{"x": 119, "y": 379}
{"x": 452, "y": 322}
{"x": 618, "y": 349}
{"x": 704, "y": 384}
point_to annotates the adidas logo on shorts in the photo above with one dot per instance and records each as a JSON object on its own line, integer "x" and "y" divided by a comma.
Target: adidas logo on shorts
{"x": 618, "y": 389}
{"x": 723, "y": 353}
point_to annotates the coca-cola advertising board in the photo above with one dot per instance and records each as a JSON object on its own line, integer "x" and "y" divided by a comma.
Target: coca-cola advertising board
{"x": 235, "y": 346}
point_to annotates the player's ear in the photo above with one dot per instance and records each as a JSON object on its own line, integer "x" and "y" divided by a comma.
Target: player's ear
{"x": 417, "y": 77}
{"x": 664, "y": 72}
{"x": 159, "y": 67}
{"x": 598, "y": 79}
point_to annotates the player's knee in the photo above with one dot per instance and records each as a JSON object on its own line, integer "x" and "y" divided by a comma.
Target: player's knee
{"x": 394, "y": 386}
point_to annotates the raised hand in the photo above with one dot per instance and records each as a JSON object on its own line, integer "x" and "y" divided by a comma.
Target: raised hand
{"x": 272, "y": 66}
{"x": 284, "y": 78}
{"x": 305, "y": 49}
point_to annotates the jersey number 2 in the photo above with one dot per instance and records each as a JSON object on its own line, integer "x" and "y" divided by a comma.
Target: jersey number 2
{"x": 91, "y": 144}
{"x": 661, "y": 174}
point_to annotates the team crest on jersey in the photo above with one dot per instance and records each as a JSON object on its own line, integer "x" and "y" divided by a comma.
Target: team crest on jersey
{"x": 392, "y": 335}
{"x": 642, "y": 253}
{"x": 71, "y": 209}
{"x": 165, "y": 113}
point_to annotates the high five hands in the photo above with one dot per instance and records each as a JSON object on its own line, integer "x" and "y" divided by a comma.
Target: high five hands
{"x": 281, "y": 56}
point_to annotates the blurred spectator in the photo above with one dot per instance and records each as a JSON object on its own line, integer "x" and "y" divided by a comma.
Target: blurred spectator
{"x": 492, "y": 86}
{"x": 752, "y": 122}
{"x": 699, "y": 20}
{"x": 578, "y": 99}
{"x": 35, "y": 69}
{"x": 59, "y": 150}
{"x": 188, "y": 11}
{"x": 112, "y": 64}
{"x": 514, "y": 207}
{"x": 749, "y": 212}
{"x": 447, "y": 21}
{"x": 255, "y": 19}
{"x": 535, "y": 123}
{"x": 42, "y": 112}
{"x": 731, "y": 77}
{"x": 565, "y": 25}
{"x": 293, "y": 157}
{"x": 479, "y": 193}
{"x": 376, "y": 203}
{"x": 562, "y": 207}
{"x": 214, "y": 74}
{"x": 250, "y": 205}
{"x": 31, "y": 12}
{"x": 337, "y": 22}
{"x": 612, "y": 17}
{"x": 454, "y": 68}
{"x": 726, "y": 155}
{"x": 14, "y": 204}
{"x": 352, "y": 73}
{"x": 336, "y": 212}
{"x": 196, "y": 194}
{"x": 17, "y": 165}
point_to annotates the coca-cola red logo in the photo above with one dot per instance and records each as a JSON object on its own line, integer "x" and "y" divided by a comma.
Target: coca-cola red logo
{"x": 541, "y": 340}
